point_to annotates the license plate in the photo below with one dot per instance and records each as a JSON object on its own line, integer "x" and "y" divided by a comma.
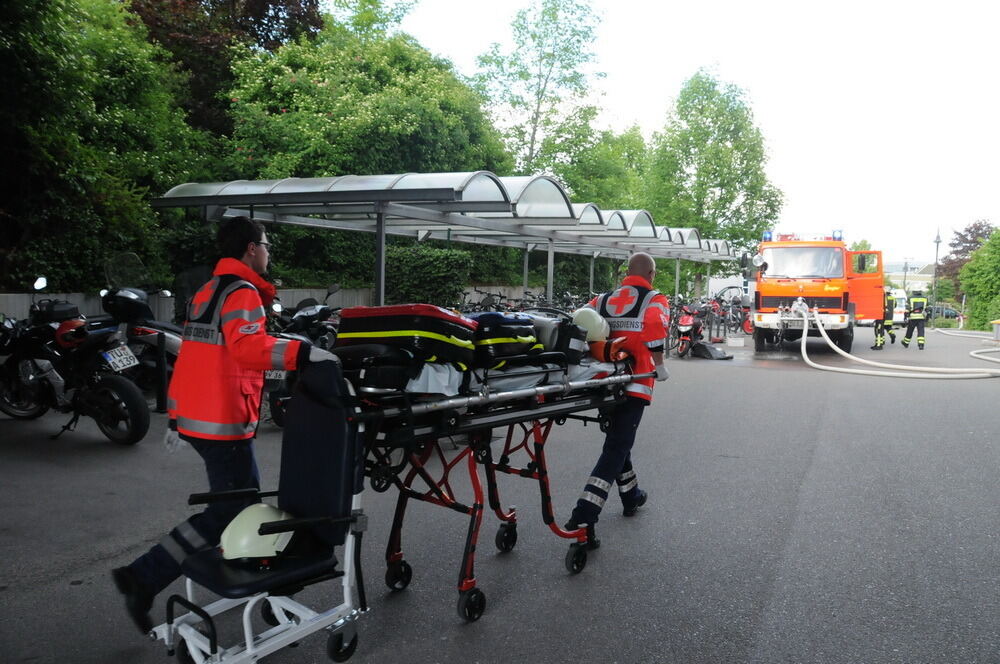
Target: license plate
{"x": 120, "y": 358}
{"x": 795, "y": 324}
{"x": 274, "y": 374}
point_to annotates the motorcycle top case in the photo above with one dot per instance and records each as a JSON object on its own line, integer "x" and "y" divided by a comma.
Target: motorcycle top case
{"x": 53, "y": 311}
{"x": 501, "y": 335}
{"x": 431, "y": 333}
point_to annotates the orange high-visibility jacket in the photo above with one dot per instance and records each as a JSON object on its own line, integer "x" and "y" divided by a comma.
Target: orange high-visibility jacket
{"x": 640, "y": 314}
{"x": 219, "y": 375}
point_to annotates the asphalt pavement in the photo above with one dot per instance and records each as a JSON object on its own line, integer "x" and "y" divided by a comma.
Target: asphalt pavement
{"x": 795, "y": 515}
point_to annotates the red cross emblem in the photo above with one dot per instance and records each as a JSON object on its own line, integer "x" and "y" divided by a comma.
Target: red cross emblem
{"x": 622, "y": 300}
{"x": 202, "y": 298}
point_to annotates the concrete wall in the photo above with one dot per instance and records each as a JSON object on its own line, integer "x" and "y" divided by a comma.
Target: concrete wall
{"x": 17, "y": 304}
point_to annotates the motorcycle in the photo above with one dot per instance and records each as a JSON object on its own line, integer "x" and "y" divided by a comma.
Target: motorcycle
{"x": 128, "y": 306}
{"x": 309, "y": 321}
{"x": 55, "y": 361}
{"x": 690, "y": 326}
{"x": 739, "y": 317}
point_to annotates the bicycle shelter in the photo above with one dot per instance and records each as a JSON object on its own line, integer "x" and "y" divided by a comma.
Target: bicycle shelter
{"x": 526, "y": 212}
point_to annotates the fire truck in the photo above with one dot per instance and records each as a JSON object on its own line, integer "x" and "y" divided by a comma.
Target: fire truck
{"x": 844, "y": 286}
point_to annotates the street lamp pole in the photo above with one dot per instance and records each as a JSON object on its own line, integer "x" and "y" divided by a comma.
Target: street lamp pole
{"x": 934, "y": 300}
{"x": 906, "y": 270}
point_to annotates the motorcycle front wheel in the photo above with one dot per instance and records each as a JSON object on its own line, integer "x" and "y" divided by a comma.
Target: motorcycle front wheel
{"x": 16, "y": 399}
{"x": 120, "y": 410}
{"x": 683, "y": 347}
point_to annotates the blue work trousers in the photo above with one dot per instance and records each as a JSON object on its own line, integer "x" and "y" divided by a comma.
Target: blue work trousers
{"x": 615, "y": 462}
{"x": 230, "y": 465}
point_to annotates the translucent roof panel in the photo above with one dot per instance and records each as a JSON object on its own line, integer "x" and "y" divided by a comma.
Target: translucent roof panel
{"x": 587, "y": 214}
{"x": 538, "y": 196}
{"x": 475, "y": 186}
{"x": 640, "y": 224}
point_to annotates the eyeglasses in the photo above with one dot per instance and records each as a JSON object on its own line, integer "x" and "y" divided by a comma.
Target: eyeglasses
{"x": 264, "y": 244}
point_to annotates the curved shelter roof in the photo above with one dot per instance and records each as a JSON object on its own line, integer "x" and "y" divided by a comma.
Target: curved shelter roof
{"x": 475, "y": 207}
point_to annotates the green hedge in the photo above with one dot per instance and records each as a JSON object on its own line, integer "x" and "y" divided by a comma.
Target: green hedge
{"x": 425, "y": 274}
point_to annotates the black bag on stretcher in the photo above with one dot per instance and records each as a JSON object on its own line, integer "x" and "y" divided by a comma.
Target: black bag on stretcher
{"x": 561, "y": 335}
{"x": 431, "y": 333}
{"x": 500, "y": 335}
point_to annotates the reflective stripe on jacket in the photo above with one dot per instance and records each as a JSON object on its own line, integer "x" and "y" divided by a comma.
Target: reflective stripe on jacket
{"x": 216, "y": 388}
{"x": 917, "y": 307}
{"x": 640, "y": 314}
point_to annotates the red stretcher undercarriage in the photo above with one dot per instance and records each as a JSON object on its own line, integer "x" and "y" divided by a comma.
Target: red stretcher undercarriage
{"x": 404, "y": 438}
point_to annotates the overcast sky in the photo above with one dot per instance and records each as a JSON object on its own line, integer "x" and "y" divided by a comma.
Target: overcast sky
{"x": 881, "y": 118}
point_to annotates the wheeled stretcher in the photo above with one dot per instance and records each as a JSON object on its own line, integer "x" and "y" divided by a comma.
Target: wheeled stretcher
{"x": 405, "y": 431}
{"x": 320, "y": 482}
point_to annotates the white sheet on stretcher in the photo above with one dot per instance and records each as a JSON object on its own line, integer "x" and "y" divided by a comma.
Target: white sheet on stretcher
{"x": 446, "y": 380}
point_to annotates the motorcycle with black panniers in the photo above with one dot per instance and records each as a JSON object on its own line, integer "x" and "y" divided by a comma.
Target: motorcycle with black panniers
{"x": 54, "y": 362}
{"x": 155, "y": 343}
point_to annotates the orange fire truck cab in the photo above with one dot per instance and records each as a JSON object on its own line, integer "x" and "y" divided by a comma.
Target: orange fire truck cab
{"x": 843, "y": 286}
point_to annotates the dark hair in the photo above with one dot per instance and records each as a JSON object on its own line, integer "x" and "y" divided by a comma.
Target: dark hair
{"x": 235, "y": 234}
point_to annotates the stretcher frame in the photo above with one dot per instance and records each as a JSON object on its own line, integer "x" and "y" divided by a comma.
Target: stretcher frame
{"x": 402, "y": 439}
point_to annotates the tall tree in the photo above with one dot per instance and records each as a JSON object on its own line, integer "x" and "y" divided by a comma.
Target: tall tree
{"x": 539, "y": 90}
{"x": 199, "y": 33}
{"x": 707, "y": 166}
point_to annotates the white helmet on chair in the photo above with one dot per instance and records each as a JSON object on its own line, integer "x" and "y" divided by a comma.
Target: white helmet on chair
{"x": 596, "y": 327}
{"x": 240, "y": 539}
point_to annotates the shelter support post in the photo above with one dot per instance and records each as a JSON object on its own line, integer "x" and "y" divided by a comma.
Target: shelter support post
{"x": 677, "y": 276}
{"x": 593, "y": 259}
{"x": 708, "y": 280}
{"x": 550, "y": 273}
{"x": 379, "y": 257}
{"x": 527, "y": 253}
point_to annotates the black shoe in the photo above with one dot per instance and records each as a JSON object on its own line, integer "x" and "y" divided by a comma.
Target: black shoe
{"x": 138, "y": 599}
{"x": 892, "y": 338}
{"x": 920, "y": 346}
{"x": 876, "y": 348}
{"x": 640, "y": 500}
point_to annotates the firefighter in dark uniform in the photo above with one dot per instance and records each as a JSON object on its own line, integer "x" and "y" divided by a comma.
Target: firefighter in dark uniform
{"x": 884, "y": 327}
{"x": 915, "y": 313}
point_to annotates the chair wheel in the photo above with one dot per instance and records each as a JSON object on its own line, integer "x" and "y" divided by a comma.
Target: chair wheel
{"x": 506, "y": 537}
{"x": 398, "y": 575}
{"x": 337, "y": 650}
{"x": 576, "y": 557}
{"x": 471, "y": 604}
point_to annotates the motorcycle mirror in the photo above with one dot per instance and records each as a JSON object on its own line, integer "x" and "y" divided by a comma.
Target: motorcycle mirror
{"x": 165, "y": 293}
{"x": 40, "y": 283}
{"x": 276, "y": 307}
{"x": 332, "y": 288}
{"x": 104, "y": 291}
{"x": 278, "y": 282}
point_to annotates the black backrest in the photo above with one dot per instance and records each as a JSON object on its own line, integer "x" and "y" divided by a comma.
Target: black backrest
{"x": 321, "y": 451}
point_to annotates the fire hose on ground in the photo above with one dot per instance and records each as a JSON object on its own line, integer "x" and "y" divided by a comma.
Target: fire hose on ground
{"x": 900, "y": 370}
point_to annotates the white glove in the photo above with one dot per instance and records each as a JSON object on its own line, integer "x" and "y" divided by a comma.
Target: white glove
{"x": 661, "y": 373}
{"x": 320, "y": 355}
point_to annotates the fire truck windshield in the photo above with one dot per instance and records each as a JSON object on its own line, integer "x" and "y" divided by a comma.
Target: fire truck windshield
{"x": 804, "y": 262}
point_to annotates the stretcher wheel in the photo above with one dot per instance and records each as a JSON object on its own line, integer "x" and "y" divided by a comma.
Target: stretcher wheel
{"x": 471, "y": 604}
{"x": 398, "y": 575}
{"x": 604, "y": 423}
{"x": 381, "y": 479}
{"x": 337, "y": 650}
{"x": 561, "y": 420}
{"x": 183, "y": 654}
{"x": 576, "y": 557}
{"x": 506, "y": 537}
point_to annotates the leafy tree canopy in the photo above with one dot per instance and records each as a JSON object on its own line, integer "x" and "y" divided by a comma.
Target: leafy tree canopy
{"x": 980, "y": 279}
{"x": 608, "y": 172}
{"x": 539, "y": 90}
{"x": 198, "y": 34}
{"x": 90, "y": 121}
{"x": 707, "y": 166}
{"x": 964, "y": 243}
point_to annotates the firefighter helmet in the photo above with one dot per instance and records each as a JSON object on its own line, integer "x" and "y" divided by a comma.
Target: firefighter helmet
{"x": 596, "y": 327}
{"x": 240, "y": 539}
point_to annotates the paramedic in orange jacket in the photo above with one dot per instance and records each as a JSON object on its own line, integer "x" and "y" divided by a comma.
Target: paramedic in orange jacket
{"x": 639, "y": 314}
{"x": 214, "y": 401}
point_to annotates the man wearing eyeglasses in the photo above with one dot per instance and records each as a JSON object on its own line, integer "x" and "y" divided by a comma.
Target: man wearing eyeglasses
{"x": 214, "y": 400}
